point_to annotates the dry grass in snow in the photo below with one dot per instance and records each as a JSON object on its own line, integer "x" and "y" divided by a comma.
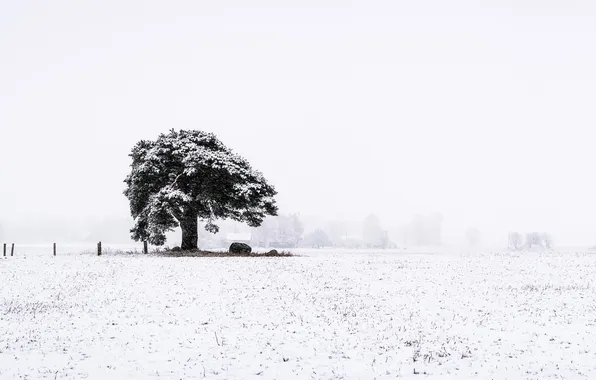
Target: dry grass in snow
{"x": 329, "y": 316}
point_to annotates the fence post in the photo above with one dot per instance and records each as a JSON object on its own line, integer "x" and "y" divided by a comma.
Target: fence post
{"x": 12, "y": 250}
{"x": 145, "y": 248}
{"x": 4, "y": 249}
{"x": 54, "y": 249}
{"x": 99, "y": 249}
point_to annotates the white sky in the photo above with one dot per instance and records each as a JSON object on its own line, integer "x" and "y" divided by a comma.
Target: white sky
{"x": 482, "y": 110}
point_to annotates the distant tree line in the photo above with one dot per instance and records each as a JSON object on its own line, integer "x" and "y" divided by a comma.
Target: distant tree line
{"x": 532, "y": 240}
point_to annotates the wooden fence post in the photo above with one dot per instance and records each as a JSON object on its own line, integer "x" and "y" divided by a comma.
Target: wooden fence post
{"x": 145, "y": 248}
{"x": 12, "y": 250}
{"x": 4, "y": 249}
{"x": 54, "y": 249}
{"x": 99, "y": 249}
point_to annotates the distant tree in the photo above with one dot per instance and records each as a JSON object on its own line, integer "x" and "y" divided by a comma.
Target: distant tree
{"x": 286, "y": 229}
{"x": 297, "y": 228}
{"x": 289, "y": 228}
{"x": 515, "y": 241}
{"x": 264, "y": 233}
{"x": 317, "y": 239}
{"x": 538, "y": 239}
{"x": 548, "y": 241}
{"x": 187, "y": 175}
{"x": 532, "y": 239}
{"x": 473, "y": 236}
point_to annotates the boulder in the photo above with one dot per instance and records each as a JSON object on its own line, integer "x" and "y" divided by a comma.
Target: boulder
{"x": 273, "y": 252}
{"x": 176, "y": 249}
{"x": 239, "y": 248}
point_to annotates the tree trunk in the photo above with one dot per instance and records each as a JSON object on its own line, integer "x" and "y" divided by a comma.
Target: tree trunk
{"x": 190, "y": 230}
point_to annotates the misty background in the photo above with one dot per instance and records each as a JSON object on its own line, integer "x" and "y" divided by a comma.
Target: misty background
{"x": 480, "y": 111}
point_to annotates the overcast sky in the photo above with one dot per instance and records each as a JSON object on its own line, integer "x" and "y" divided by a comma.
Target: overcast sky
{"x": 481, "y": 110}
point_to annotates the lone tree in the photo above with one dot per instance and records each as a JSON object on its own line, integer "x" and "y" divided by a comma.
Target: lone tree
{"x": 189, "y": 175}
{"x": 516, "y": 241}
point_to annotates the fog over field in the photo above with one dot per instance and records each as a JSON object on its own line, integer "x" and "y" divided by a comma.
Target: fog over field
{"x": 481, "y": 111}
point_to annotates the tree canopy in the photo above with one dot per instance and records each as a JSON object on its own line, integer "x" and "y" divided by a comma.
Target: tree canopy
{"x": 188, "y": 175}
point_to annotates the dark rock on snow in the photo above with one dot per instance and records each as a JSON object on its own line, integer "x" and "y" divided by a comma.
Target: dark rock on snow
{"x": 240, "y": 248}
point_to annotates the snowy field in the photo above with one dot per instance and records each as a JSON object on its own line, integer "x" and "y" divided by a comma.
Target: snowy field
{"x": 323, "y": 316}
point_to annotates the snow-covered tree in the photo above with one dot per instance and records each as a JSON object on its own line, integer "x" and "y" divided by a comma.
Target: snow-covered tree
{"x": 539, "y": 239}
{"x": 290, "y": 228}
{"x": 184, "y": 176}
{"x": 547, "y": 240}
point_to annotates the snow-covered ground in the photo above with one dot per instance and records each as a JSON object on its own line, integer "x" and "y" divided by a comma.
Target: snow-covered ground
{"x": 323, "y": 316}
